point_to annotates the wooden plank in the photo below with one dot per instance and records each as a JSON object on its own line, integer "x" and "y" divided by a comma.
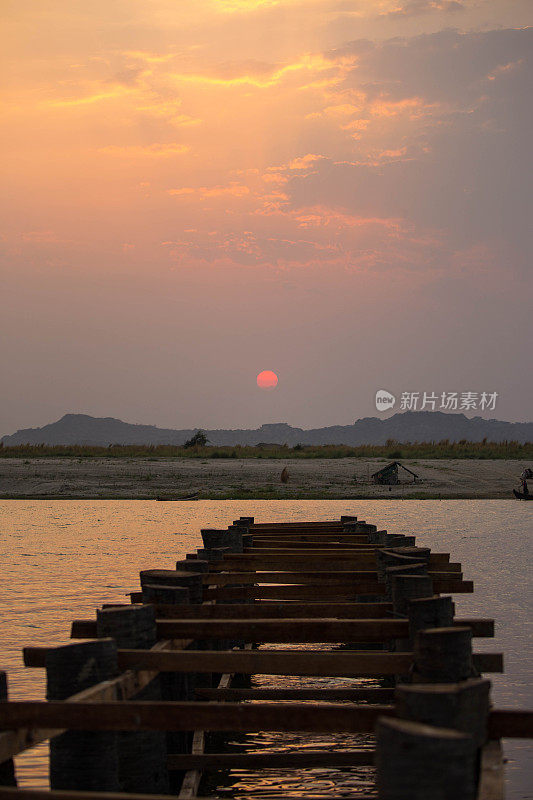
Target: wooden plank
{"x": 370, "y": 695}
{"x": 8, "y": 793}
{"x": 273, "y": 760}
{"x": 325, "y": 555}
{"x": 322, "y": 577}
{"x": 510, "y": 724}
{"x": 86, "y": 628}
{"x": 273, "y": 662}
{"x": 287, "y": 630}
{"x": 62, "y": 794}
{"x": 172, "y": 716}
{"x": 315, "y": 563}
{"x": 273, "y": 610}
{"x": 342, "y": 592}
{"x": 337, "y": 538}
{"x": 492, "y": 774}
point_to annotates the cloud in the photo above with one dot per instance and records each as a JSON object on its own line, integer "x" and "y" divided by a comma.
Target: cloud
{"x": 145, "y": 151}
{"x": 415, "y": 7}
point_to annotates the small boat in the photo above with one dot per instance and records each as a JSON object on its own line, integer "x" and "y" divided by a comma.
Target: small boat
{"x": 193, "y": 496}
{"x": 522, "y": 496}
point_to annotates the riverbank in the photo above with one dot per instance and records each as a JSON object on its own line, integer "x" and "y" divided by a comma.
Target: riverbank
{"x": 147, "y": 478}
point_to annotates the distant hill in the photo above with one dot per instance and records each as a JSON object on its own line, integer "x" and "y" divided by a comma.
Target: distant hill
{"x": 410, "y": 426}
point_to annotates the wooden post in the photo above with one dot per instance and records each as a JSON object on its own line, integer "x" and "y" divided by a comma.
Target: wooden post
{"x": 377, "y": 538}
{"x": 462, "y": 706}
{"x": 359, "y": 527}
{"x": 193, "y": 565}
{"x": 165, "y": 595}
{"x": 429, "y": 612}
{"x": 443, "y": 655}
{"x": 82, "y": 760}
{"x": 215, "y": 537}
{"x": 212, "y": 554}
{"x": 419, "y": 762}
{"x": 142, "y": 756}
{"x": 7, "y": 768}
{"x": 409, "y": 587}
{"x": 170, "y": 577}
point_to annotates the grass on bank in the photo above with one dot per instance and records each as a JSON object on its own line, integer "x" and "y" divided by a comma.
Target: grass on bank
{"x": 390, "y": 450}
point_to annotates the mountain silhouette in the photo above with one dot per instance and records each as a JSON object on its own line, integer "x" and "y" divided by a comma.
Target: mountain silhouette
{"x": 410, "y": 426}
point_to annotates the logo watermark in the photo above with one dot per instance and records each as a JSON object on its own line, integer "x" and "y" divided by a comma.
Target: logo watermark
{"x": 432, "y": 401}
{"x": 384, "y": 400}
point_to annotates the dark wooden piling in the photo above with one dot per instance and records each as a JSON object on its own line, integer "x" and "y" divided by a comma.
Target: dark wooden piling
{"x": 73, "y": 755}
{"x": 7, "y": 768}
{"x": 422, "y": 762}
{"x": 216, "y": 537}
{"x": 142, "y": 756}
{"x": 171, "y": 577}
{"x": 443, "y": 655}
{"x": 462, "y": 706}
{"x": 429, "y": 612}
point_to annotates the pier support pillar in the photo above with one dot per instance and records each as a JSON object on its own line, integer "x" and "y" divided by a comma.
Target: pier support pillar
{"x": 82, "y": 760}
{"x": 418, "y": 762}
{"x": 7, "y": 768}
{"x": 142, "y": 755}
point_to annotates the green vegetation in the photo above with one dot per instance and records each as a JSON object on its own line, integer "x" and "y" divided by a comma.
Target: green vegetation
{"x": 390, "y": 451}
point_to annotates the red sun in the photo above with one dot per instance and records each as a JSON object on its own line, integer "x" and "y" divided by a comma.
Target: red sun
{"x": 267, "y": 379}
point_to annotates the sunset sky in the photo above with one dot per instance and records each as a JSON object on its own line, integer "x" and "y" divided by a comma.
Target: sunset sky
{"x": 196, "y": 191}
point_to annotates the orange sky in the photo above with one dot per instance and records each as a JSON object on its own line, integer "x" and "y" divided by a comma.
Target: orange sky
{"x": 189, "y": 187}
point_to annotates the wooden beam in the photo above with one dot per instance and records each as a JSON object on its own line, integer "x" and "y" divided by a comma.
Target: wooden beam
{"x": 510, "y": 724}
{"x": 273, "y": 610}
{"x": 273, "y": 760}
{"x": 370, "y": 695}
{"x": 172, "y": 716}
{"x": 340, "y": 592}
{"x": 271, "y": 662}
{"x": 62, "y": 794}
{"x": 86, "y": 628}
{"x": 322, "y": 577}
{"x": 287, "y": 630}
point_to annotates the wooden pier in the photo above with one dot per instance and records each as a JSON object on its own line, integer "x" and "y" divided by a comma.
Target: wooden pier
{"x": 138, "y": 708}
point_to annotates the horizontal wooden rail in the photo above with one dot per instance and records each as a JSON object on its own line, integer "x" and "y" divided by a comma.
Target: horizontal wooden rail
{"x": 319, "y": 538}
{"x": 273, "y": 610}
{"x": 508, "y": 723}
{"x": 315, "y": 563}
{"x": 274, "y": 760}
{"x": 271, "y": 662}
{"x": 323, "y": 555}
{"x": 320, "y": 592}
{"x": 286, "y": 629}
{"x": 172, "y": 716}
{"x": 322, "y": 577}
{"x": 371, "y": 695}
{"x": 8, "y": 793}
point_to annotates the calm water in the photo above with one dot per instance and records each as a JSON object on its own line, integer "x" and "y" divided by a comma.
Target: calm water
{"x": 62, "y": 559}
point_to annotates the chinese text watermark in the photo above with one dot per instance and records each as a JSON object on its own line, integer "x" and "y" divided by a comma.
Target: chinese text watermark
{"x": 442, "y": 401}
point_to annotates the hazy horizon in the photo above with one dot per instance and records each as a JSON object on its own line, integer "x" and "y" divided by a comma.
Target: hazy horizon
{"x": 335, "y": 191}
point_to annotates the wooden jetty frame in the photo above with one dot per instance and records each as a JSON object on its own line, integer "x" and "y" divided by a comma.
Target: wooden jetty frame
{"x": 132, "y": 701}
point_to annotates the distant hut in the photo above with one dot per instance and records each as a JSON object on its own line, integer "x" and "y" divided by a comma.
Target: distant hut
{"x": 388, "y": 476}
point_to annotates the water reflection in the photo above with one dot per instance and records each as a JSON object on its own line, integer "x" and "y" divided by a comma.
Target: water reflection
{"x": 62, "y": 559}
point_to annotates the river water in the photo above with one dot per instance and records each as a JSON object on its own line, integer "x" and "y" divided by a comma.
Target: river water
{"x": 63, "y": 558}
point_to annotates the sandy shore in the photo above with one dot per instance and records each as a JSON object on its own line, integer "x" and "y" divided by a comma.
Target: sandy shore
{"x": 235, "y": 478}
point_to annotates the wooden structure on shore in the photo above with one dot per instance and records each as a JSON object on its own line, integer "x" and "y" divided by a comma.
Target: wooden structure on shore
{"x": 389, "y": 475}
{"x": 129, "y": 710}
